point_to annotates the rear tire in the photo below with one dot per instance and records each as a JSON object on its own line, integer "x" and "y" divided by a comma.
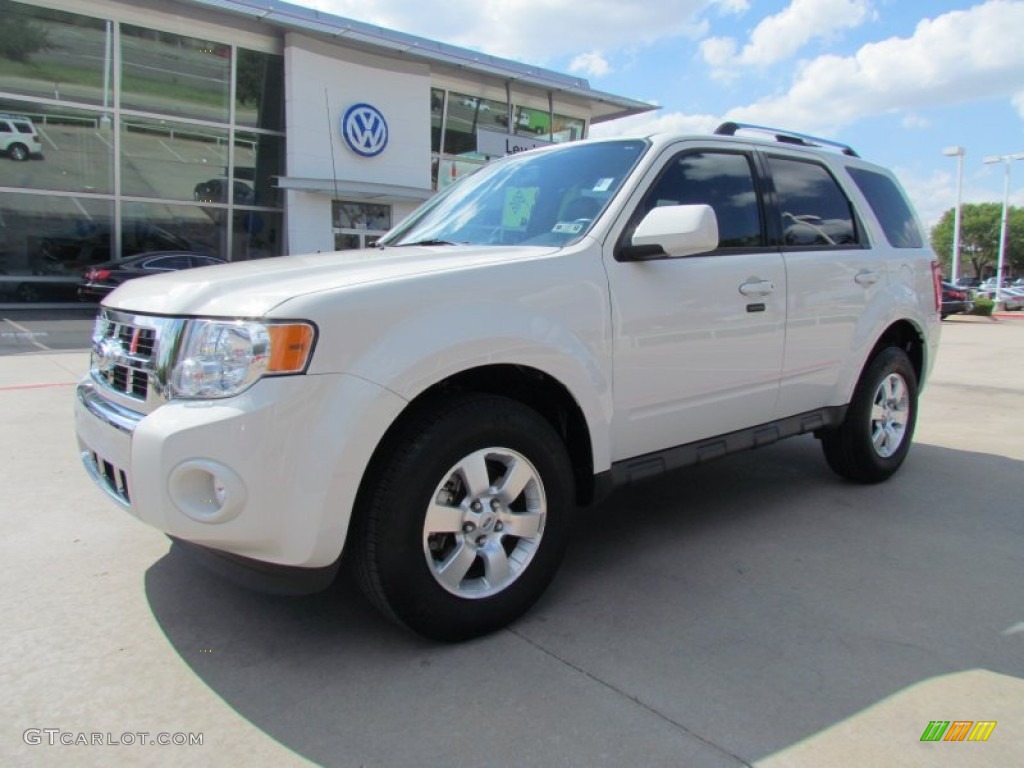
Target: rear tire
{"x": 18, "y": 152}
{"x": 874, "y": 438}
{"x": 464, "y": 518}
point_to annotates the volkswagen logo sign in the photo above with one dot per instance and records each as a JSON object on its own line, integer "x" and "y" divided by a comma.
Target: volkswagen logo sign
{"x": 365, "y": 130}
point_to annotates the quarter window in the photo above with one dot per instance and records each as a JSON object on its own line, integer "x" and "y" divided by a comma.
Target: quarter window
{"x": 813, "y": 209}
{"x": 891, "y": 208}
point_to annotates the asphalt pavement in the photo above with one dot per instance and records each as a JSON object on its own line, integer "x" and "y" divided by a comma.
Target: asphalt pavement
{"x": 756, "y": 611}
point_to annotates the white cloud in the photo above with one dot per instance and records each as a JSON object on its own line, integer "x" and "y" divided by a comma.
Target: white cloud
{"x": 592, "y": 64}
{"x": 781, "y": 36}
{"x": 532, "y": 30}
{"x": 640, "y": 125}
{"x": 1018, "y": 102}
{"x": 735, "y": 7}
{"x": 913, "y": 121}
{"x": 958, "y": 57}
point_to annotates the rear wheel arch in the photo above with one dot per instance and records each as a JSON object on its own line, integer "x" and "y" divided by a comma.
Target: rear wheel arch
{"x": 906, "y": 336}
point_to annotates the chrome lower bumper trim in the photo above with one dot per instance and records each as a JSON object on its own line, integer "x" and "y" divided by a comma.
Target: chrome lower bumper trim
{"x": 110, "y": 413}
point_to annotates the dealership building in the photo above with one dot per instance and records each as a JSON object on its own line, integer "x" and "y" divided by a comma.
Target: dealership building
{"x": 242, "y": 129}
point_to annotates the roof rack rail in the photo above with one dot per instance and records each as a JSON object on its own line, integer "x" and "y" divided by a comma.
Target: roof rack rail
{"x": 785, "y": 137}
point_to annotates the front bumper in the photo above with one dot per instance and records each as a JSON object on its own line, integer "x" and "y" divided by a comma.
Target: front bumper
{"x": 270, "y": 475}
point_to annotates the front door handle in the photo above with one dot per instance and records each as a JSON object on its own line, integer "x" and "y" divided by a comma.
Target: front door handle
{"x": 867, "y": 277}
{"x": 757, "y": 288}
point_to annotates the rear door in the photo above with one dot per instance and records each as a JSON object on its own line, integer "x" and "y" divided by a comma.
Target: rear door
{"x": 833, "y": 278}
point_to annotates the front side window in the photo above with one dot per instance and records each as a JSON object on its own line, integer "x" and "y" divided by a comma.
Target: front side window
{"x": 723, "y": 180}
{"x": 813, "y": 209}
{"x": 550, "y": 197}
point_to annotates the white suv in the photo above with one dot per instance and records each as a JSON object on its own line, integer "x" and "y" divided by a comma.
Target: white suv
{"x": 19, "y": 139}
{"x": 560, "y": 322}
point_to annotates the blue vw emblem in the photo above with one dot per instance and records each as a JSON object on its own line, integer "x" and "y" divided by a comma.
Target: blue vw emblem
{"x": 365, "y": 130}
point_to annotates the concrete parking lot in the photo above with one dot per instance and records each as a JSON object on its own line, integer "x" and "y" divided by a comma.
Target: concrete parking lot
{"x": 757, "y": 611}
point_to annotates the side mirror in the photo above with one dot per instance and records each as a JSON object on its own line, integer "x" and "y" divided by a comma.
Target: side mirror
{"x": 672, "y": 231}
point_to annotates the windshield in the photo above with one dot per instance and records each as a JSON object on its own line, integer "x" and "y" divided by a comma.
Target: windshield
{"x": 551, "y": 197}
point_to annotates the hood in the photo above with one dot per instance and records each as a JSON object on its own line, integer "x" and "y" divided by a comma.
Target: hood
{"x": 254, "y": 288}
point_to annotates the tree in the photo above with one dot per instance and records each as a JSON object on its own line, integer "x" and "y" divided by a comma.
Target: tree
{"x": 19, "y": 37}
{"x": 979, "y": 239}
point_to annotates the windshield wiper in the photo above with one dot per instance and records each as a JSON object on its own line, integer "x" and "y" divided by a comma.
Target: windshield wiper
{"x": 425, "y": 242}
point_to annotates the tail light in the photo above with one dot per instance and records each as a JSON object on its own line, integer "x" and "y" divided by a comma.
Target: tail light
{"x": 97, "y": 274}
{"x": 937, "y": 283}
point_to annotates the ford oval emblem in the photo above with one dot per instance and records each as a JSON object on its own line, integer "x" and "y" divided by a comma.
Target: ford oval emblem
{"x": 365, "y": 130}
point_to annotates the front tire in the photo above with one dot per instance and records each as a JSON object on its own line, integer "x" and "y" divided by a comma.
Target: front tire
{"x": 874, "y": 438}
{"x": 464, "y": 517}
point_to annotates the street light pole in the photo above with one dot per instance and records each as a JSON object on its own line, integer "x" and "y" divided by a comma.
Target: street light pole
{"x": 1006, "y": 160}
{"x": 958, "y": 152}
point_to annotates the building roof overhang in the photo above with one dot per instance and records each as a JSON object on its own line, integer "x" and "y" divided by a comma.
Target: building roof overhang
{"x": 604, "y": 106}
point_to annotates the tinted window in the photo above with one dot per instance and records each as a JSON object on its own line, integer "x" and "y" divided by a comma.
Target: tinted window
{"x": 23, "y": 127}
{"x": 813, "y": 209}
{"x": 5, "y": 128}
{"x": 891, "y": 208}
{"x": 725, "y": 181}
{"x": 204, "y": 261}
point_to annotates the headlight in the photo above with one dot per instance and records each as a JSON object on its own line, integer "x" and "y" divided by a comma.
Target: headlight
{"x": 219, "y": 358}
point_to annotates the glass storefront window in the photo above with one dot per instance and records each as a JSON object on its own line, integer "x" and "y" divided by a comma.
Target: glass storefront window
{"x": 55, "y": 55}
{"x": 163, "y": 227}
{"x": 465, "y": 115}
{"x": 358, "y": 225}
{"x": 567, "y": 129}
{"x": 259, "y": 159}
{"x": 70, "y": 150}
{"x": 256, "y": 235}
{"x": 174, "y": 75}
{"x": 436, "y": 118}
{"x": 259, "y": 92}
{"x": 174, "y": 161}
{"x": 532, "y": 122}
{"x": 47, "y": 241}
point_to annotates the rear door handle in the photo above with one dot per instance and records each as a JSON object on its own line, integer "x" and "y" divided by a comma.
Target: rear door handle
{"x": 867, "y": 277}
{"x": 757, "y": 288}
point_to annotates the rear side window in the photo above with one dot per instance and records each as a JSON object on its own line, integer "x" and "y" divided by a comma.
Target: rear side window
{"x": 814, "y": 210}
{"x": 5, "y": 127}
{"x": 23, "y": 127}
{"x": 890, "y": 206}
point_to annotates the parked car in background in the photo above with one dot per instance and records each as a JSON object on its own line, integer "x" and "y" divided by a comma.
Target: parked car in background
{"x": 955, "y": 300}
{"x": 216, "y": 191}
{"x": 100, "y": 280}
{"x": 968, "y": 282}
{"x": 1012, "y": 298}
{"x": 19, "y": 139}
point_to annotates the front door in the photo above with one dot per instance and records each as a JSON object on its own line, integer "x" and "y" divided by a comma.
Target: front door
{"x": 698, "y": 341}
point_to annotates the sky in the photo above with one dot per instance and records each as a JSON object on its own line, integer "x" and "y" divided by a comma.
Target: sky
{"x": 897, "y": 80}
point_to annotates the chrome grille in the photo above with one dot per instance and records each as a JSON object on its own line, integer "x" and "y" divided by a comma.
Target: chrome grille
{"x": 126, "y": 351}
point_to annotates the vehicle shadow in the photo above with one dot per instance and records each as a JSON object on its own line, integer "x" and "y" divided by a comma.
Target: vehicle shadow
{"x": 717, "y": 615}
